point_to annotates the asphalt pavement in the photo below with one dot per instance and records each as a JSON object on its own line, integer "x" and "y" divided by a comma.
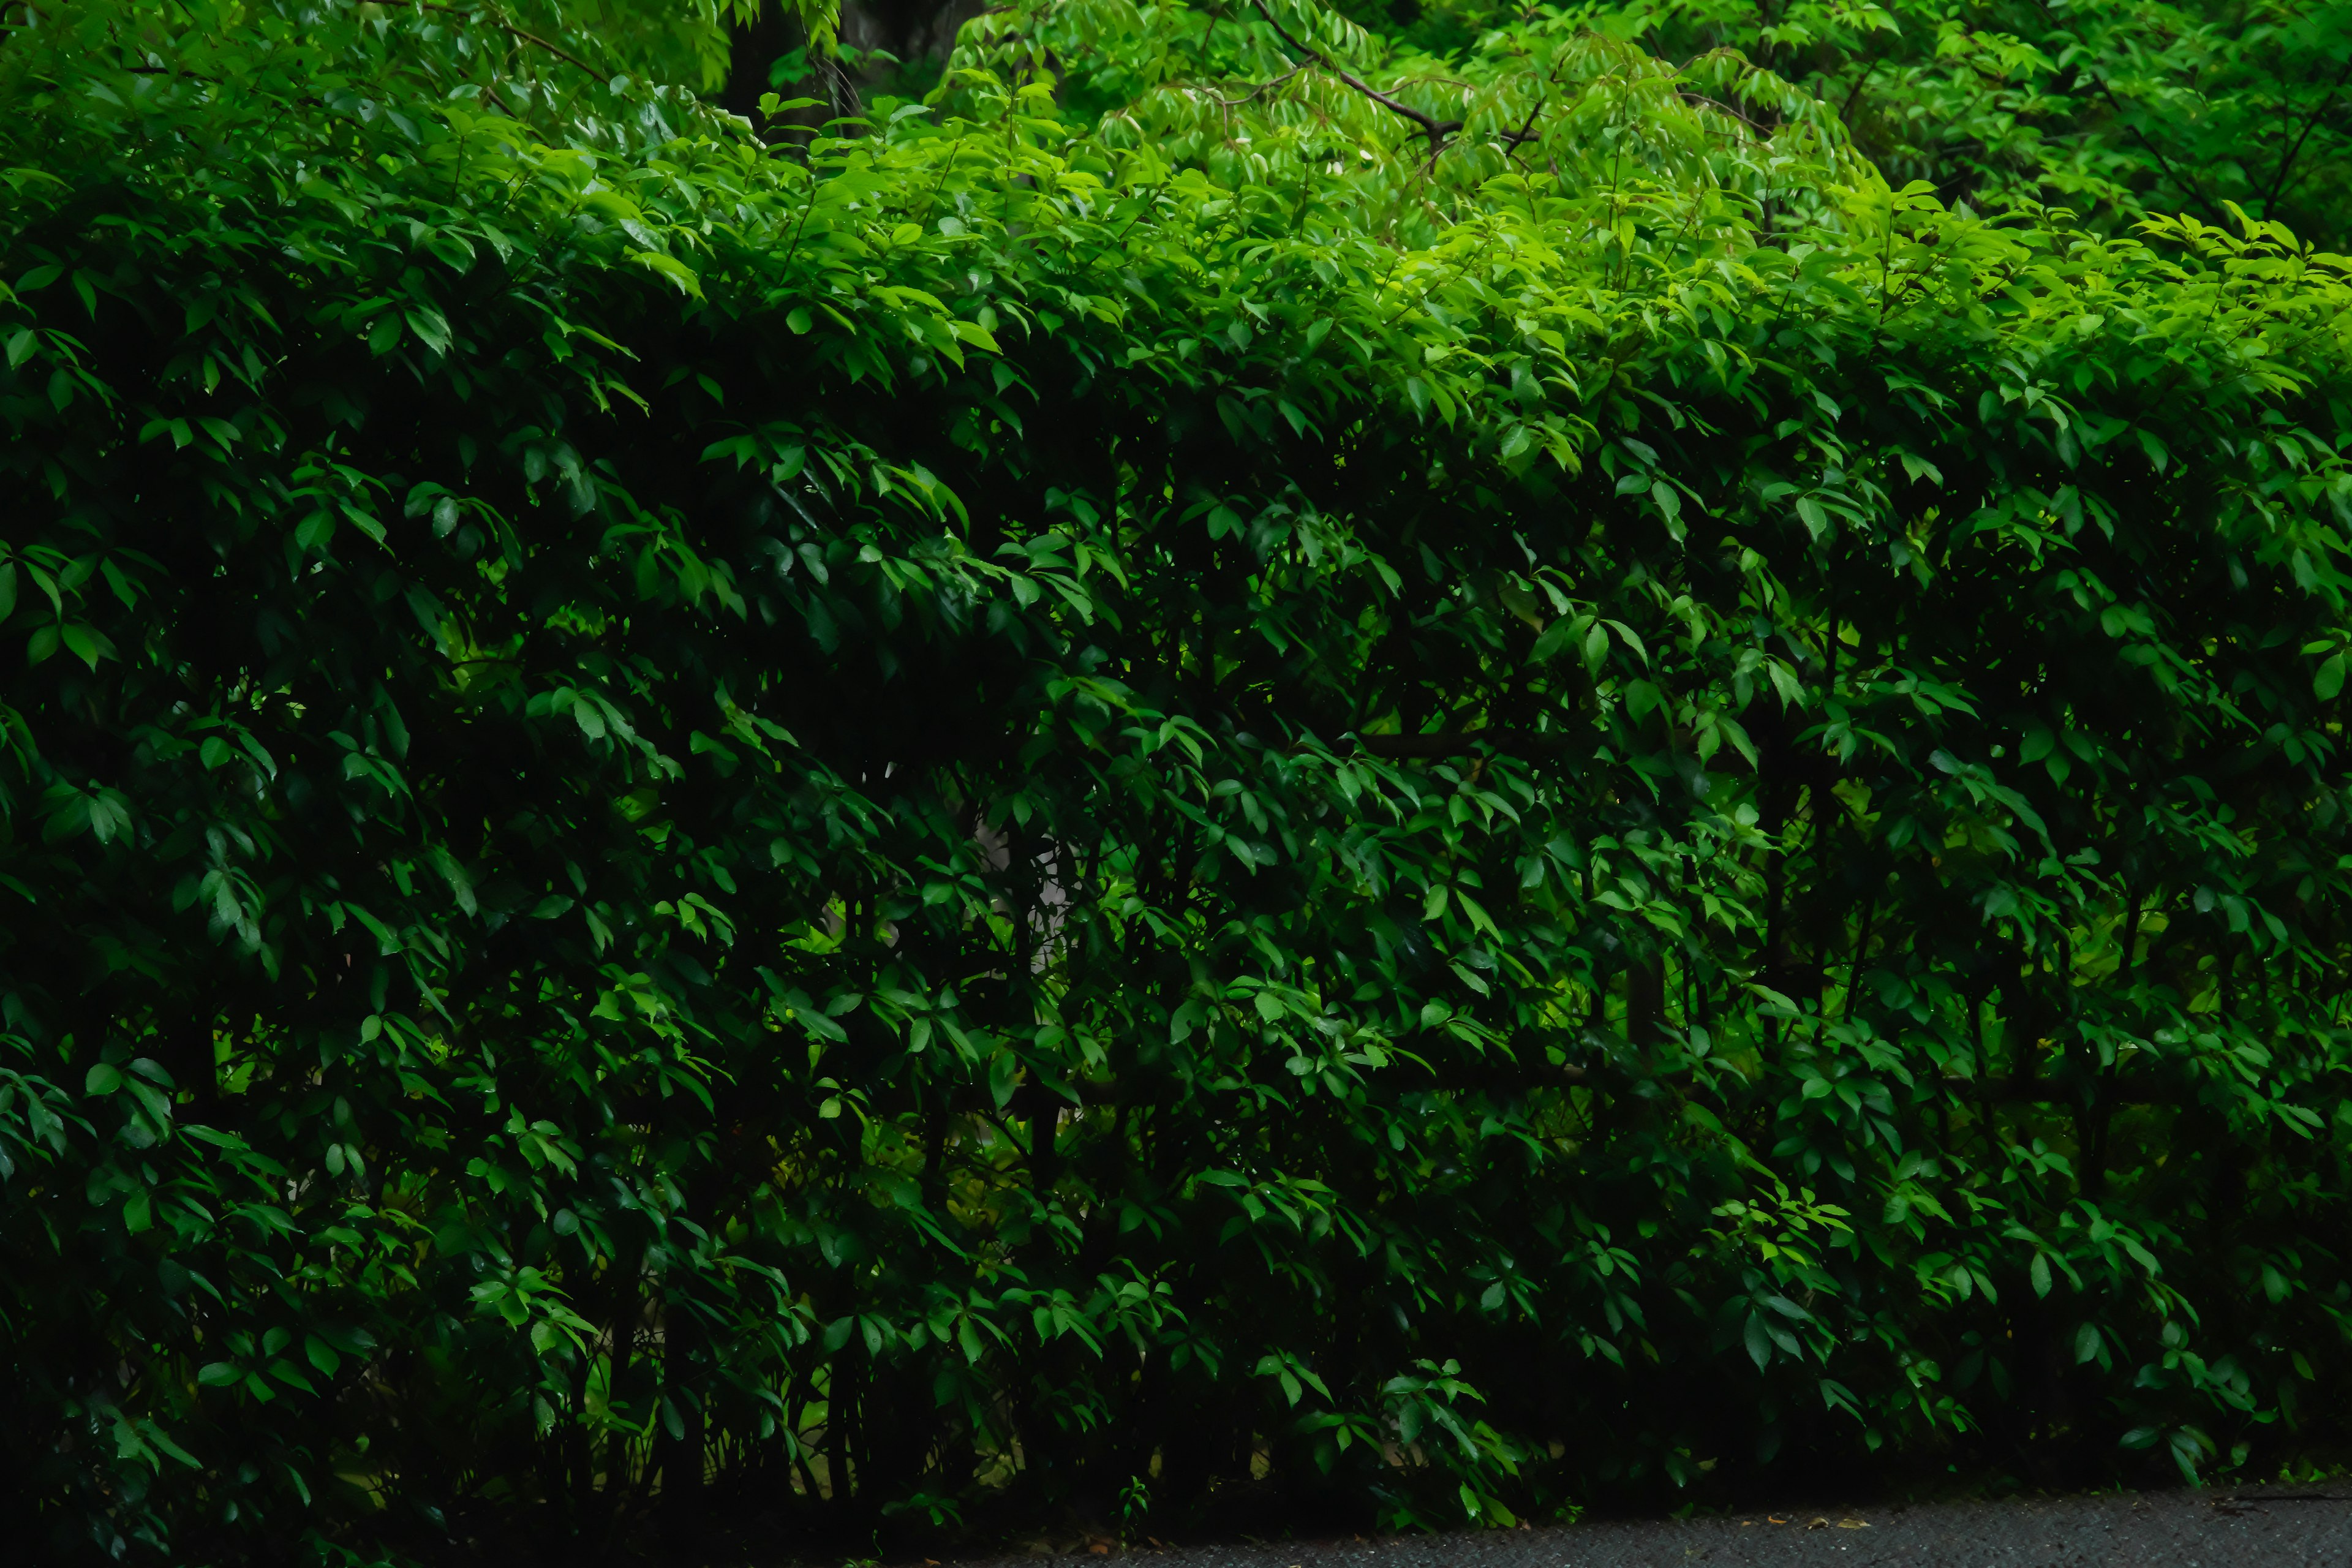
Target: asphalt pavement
{"x": 2291, "y": 1527}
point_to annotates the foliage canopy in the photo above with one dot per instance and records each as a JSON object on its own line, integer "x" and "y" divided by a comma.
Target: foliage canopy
{"x": 2117, "y": 107}
{"x": 1237, "y": 763}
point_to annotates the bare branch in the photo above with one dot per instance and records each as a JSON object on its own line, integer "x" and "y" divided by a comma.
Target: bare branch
{"x": 561, "y": 54}
{"x": 1527, "y": 131}
{"x": 2163, "y": 162}
{"x": 1260, "y": 91}
{"x": 1716, "y": 103}
{"x": 2278, "y": 183}
{"x": 1437, "y": 130}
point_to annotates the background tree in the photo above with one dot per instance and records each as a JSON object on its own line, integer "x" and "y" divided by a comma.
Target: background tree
{"x": 2116, "y": 107}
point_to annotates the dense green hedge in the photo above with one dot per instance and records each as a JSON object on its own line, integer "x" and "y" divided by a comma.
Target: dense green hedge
{"x": 1013, "y": 812}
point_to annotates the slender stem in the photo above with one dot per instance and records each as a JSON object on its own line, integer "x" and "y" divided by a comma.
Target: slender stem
{"x": 507, "y": 27}
{"x": 2191, "y": 186}
{"x": 1434, "y": 129}
{"x": 2279, "y": 181}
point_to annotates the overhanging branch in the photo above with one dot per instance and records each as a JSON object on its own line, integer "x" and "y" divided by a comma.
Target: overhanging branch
{"x": 560, "y": 52}
{"x": 1436, "y": 130}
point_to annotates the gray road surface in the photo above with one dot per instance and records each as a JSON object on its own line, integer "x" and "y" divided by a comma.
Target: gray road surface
{"x": 2289, "y": 1527}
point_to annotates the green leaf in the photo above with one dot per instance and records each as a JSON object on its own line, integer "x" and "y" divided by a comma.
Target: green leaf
{"x": 1919, "y": 469}
{"x": 86, "y": 643}
{"x": 1669, "y": 503}
{"x": 2330, "y": 679}
{"x": 672, "y": 268}
{"x": 432, "y": 328}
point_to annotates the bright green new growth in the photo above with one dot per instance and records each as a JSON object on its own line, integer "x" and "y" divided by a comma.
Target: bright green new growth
{"x": 1147, "y": 774}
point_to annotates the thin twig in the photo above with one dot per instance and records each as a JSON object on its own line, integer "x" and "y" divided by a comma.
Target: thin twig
{"x": 1434, "y": 129}
{"x": 1845, "y": 110}
{"x": 1757, "y": 126}
{"x": 2191, "y": 186}
{"x": 560, "y": 52}
{"x": 1527, "y": 131}
{"x": 1260, "y": 92}
{"x": 2278, "y": 185}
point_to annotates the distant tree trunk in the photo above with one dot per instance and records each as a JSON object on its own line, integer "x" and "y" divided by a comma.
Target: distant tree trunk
{"x": 1646, "y": 1002}
{"x": 907, "y": 31}
{"x": 756, "y": 46}
{"x": 682, "y": 1455}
